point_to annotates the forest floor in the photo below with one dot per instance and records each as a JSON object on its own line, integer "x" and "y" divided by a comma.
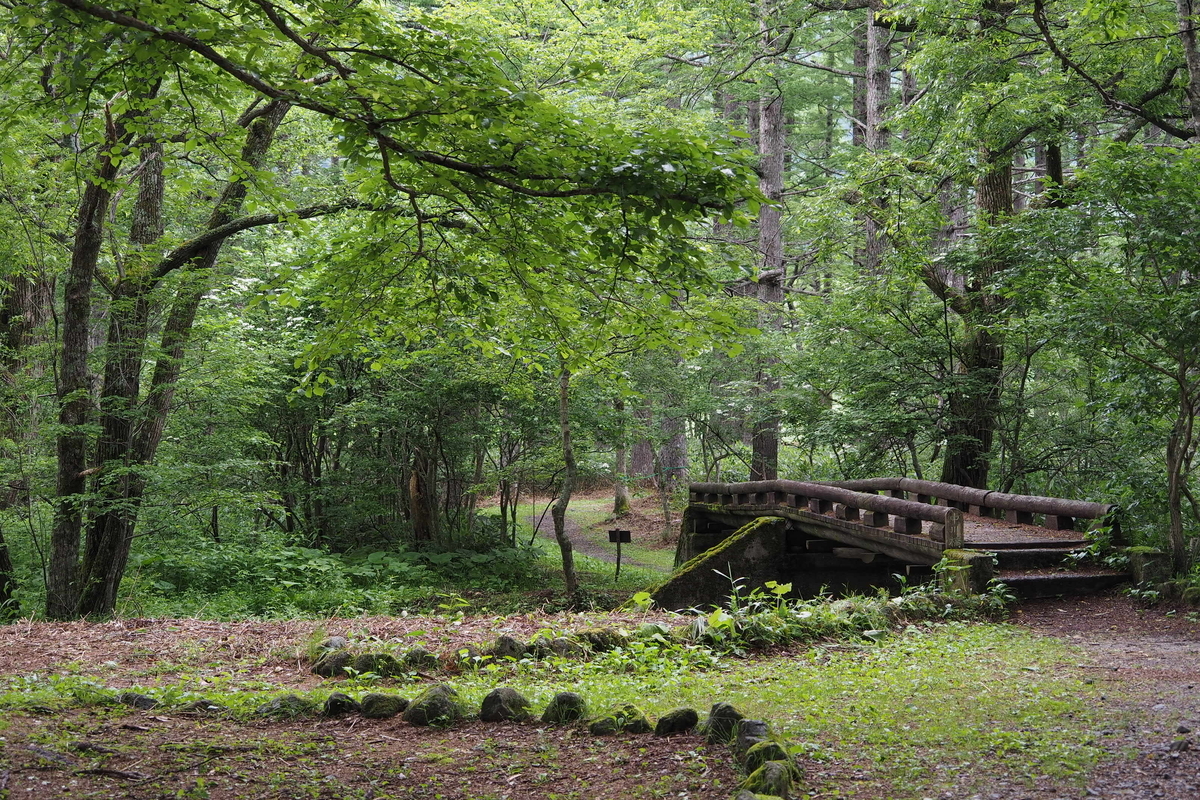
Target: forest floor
{"x": 1143, "y": 666}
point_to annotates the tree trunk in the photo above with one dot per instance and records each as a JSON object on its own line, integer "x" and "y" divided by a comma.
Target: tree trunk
{"x": 974, "y": 400}
{"x": 25, "y": 308}
{"x": 620, "y": 485}
{"x": 9, "y": 610}
{"x": 641, "y": 466}
{"x": 420, "y": 504}
{"x": 110, "y": 530}
{"x": 132, "y": 431}
{"x": 858, "y": 108}
{"x": 558, "y": 513}
{"x": 772, "y": 147}
{"x": 876, "y": 136}
{"x": 1186, "y": 15}
{"x": 74, "y": 389}
{"x": 764, "y": 437}
{"x": 1179, "y": 444}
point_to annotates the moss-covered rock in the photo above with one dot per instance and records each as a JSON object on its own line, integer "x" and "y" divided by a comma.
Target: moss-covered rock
{"x": 382, "y": 706}
{"x": 565, "y": 708}
{"x": 339, "y": 703}
{"x": 679, "y": 720}
{"x": 437, "y": 705}
{"x": 508, "y": 647}
{"x": 289, "y": 706}
{"x": 746, "y": 794}
{"x": 384, "y": 665}
{"x": 601, "y": 640}
{"x": 626, "y": 719}
{"x": 137, "y": 700}
{"x": 749, "y": 733}
{"x": 504, "y": 705}
{"x": 772, "y": 778}
{"x": 567, "y": 648}
{"x": 333, "y": 665}
{"x": 764, "y": 752}
{"x": 202, "y": 706}
{"x": 418, "y": 659}
{"x": 721, "y": 723}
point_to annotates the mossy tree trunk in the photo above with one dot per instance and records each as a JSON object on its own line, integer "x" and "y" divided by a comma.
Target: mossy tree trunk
{"x": 558, "y": 513}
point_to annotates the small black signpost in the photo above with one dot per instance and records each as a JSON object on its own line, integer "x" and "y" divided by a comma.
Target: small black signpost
{"x": 618, "y": 537}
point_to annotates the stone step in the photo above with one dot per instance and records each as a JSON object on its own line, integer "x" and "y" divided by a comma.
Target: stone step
{"x": 1033, "y": 557}
{"x": 1033, "y": 583}
{"x": 1027, "y": 544}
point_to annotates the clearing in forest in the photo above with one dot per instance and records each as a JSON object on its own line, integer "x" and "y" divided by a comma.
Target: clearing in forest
{"x": 1071, "y": 698}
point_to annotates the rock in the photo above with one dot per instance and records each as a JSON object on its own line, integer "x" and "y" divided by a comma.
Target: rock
{"x": 719, "y": 727}
{"x": 772, "y": 778}
{"x": 1183, "y": 729}
{"x": 339, "y": 703}
{"x": 503, "y": 705}
{"x": 508, "y": 647}
{"x": 418, "y": 659}
{"x": 764, "y": 752}
{"x": 334, "y": 643}
{"x": 437, "y": 705}
{"x": 1180, "y": 744}
{"x": 746, "y": 794}
{"x": 601, "y": 640}
{"x": 138, "y": 701}
{"x": 287, "y": 707}
{"x": 332, "y": 665}
{"x": 679, "y": 720}
{"x": 628, "y": 719}
{"x": 202, "y": 706}
{"x": 566, "y": 707}
{"x": 382, "y": 664}
{"x": 382, "y": 706}
{"x": 567, "y": 648}
{"x": 749, "y": 733}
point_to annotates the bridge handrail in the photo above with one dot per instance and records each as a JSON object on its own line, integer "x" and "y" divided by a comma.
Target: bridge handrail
{"x": 949, "y": 518}
{"x": 984, "y": 498}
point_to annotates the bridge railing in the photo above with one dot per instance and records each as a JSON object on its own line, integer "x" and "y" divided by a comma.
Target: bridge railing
{"x": 864, "y": 507}
{"x": 1059, "y": 514}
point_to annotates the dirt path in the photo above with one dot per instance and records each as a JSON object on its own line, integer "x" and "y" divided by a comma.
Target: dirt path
{"x": 1148, "y": 660}
{"x": 545, "y": 528}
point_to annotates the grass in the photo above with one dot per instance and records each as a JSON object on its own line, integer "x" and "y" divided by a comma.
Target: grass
{"x": 918, "y": 709}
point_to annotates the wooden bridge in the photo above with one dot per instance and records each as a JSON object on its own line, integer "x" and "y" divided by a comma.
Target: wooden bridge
{"x": 854, "y": 535}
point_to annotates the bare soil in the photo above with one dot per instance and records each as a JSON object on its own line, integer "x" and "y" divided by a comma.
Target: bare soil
{"x": 1148, "y": 660}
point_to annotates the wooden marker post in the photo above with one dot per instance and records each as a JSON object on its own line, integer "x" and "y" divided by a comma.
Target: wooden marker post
{"x": 619, "y": 537}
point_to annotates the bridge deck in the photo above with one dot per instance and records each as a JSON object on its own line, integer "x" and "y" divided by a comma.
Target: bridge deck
{"x": 980, "y": 533}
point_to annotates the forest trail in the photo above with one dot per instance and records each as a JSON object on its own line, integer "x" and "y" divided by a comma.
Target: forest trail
{"x": 1148, "y": 661}
{"x": 544, "y": 526}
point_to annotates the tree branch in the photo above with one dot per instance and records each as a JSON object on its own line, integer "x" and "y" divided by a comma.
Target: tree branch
{"x": 194, "y": 247}
{"x": 1039, "y": 17}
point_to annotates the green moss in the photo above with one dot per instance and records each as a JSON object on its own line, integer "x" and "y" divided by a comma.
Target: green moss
{"x": 734, "y": 538}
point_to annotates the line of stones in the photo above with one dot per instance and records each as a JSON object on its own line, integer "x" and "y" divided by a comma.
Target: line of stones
{"x": 337, "y": 660}
{"x": 771, "y": 772}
